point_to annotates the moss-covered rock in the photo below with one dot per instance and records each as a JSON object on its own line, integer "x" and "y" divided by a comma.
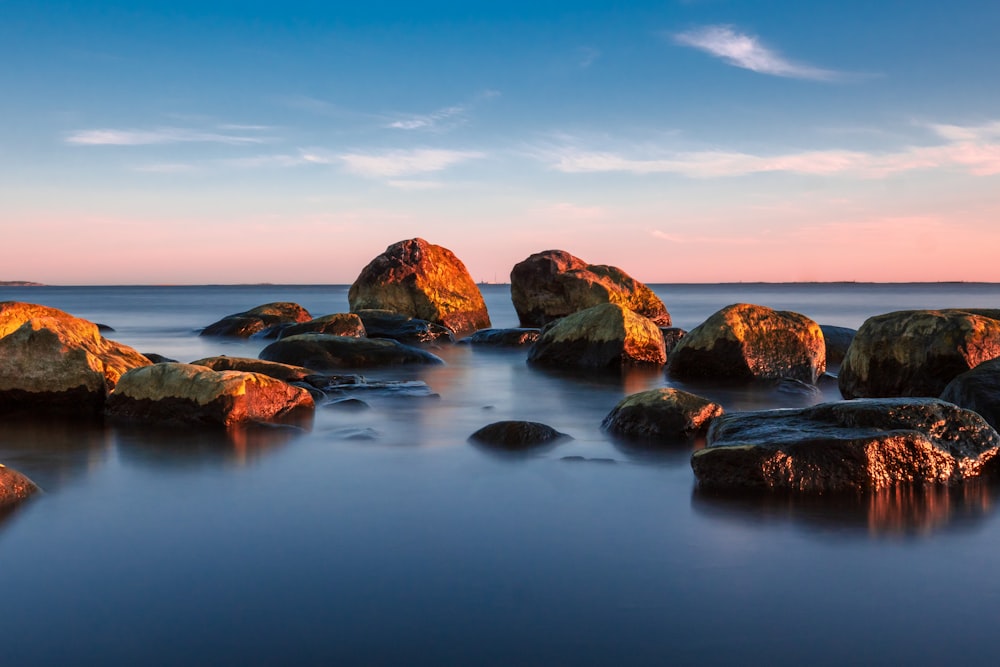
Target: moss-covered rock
{"x": 744, "y": 342}
{"x": 661, "y": 414}
{"x": 258, "y": 320}
{"x": 553, "y": 284}
{"x": 424, "y": 281}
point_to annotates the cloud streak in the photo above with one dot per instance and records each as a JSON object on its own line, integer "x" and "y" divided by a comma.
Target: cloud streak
{"x": 163, "y": 135}
{"x": 396, "y": 163}
{"x": 746, "y": 51}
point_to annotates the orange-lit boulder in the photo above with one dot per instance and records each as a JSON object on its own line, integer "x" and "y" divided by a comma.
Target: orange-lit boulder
{"x": 283, "y": 372}
{"x": 917, "y": 352}
{"x": 553, "y": 284}
{"x": 185, "y": 394}
{"x": 257, "y": 320}
{"x": 14, "y": 487}
{"x": 424, "y": 281}
{"x": 338, "y": 324}
{"x": 608, "y": 336}
{"x": 745, "y": 342}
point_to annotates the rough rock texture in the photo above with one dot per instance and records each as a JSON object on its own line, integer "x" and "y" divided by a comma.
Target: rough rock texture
{"x": 672, "y": 336}
{"x": 746, "y": 342}
{"x": 978, "y": 390}
{"x": 196, "y": 395}
{"x": 325, "y": 352}
{"x": 664, "y": 413}
{"x": 553, "y": 284}
{"x": 504, "y": 337}
{"x": 848, "y": 445}
{"x": 338, "y": 324}
{"x": 257, "y": 320}
{"x": 422, "y": 280}
{"x": 14, "y": 487}
{"x": 838, "y": 340}
{"x": 60, "y": 365}
{"x": 917, "y": 352}
{"x": 608, "y": 336}
{"x": 405, "y": 329}
{"x": 283, "y": 372}
{"x": 516, "y": 434}
{"x": 15, "y": 313}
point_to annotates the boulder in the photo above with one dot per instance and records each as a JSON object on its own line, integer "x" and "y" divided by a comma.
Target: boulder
{"x": 257, "y": 320}
{"x": 745, "y": 342}
{"x": 405, "y": 329}
{"x": 516, "y": 434}
{"x": 977, "y": 390}
{"x": 283, "y": 372}
{"x": 608, "y": 336}
{"x": 866, "y": 444}
{"x": 185, "y": 394}
{"x": 521, "y": 337}
{"x": 917, "y": 352}
{"x": 15, "y": 313}
{"x": 422, "y": 280}
{"x": 553, "y": 284}
{"x": 338, "y": 324}
{"x": 14, "y": 487}
{"x": 662, "y": 414}
{"x": 672, "y": 336}
{"x": 324, "y": 352}
{"x": 60, "y": 365}
{"x": 838, "y": 340}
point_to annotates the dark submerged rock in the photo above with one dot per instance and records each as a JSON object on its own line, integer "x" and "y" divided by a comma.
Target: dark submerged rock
{"x": 325, "y": 352}
{"x": 520, "y": 337}
{"x": 405, "y": 329}
{"x": 917, "y": 352}
{"x": 661, "y": 414}
{"x": 838, "y": 340}
{"x": 424, "y": 281}
{"x": 977, "y": 390}
{"x": 847, "y": 446}
{"x": 744, "y": 342}
{"x": 516, "y": 434}
{"x": 672, "y": 336}
{"x": 257, "y": 320}
{"x": 552, "y": 284}
{"x": 155, "y": 358}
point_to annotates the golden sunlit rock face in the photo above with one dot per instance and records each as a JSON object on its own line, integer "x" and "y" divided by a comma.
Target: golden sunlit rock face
{"x": 337, "y": 324}
{"x": 608, "y": 336}
{"x": 257, "y": 320}
{"x": 553, "y": 284}
{"x": 917, "y": 352}
{"x": 866, "y": 444}
{"x": 172, "y": 393}
{"x": 14, "y": 487}
{"x": 746, "y": 342}
{"x": 421, "y": 280}
{"x": 664, "y": 413}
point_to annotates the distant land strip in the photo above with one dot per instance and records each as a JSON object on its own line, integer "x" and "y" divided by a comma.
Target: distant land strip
{"x": 19, "y": 283}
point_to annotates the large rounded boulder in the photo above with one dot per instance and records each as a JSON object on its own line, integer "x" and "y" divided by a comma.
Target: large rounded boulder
{"x": 185, "y": 394}
{"x": 917, "y": 352}
{"x": 865, "y": 444}
{"x": 424, "y": 281}
{"x": 553, "y": 284}
{"x": 269, "y": 316}
{"x": 324, "y": 352}
{"x": 978, "y": 390}
{"x": 661, "y": 414}
{"x": 608, "y": 337}
{"x": 744, "y": 342}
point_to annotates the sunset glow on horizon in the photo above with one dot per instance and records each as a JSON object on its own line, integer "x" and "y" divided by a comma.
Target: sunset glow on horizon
{"x": 683, "y": 141}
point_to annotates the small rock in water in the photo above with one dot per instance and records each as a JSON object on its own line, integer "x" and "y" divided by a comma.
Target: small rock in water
{"x": 348, "y": 404}
{"x": 516, "y": 434}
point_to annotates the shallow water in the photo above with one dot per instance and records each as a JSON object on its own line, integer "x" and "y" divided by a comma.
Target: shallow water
{"x": 384, "y": 537}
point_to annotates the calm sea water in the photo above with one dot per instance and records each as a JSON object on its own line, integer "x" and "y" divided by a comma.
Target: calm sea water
{"x": 384, "y": 538}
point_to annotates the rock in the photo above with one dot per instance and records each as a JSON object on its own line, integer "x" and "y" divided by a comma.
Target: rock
{"x": 185, "y": 394}
{"x": 553, "y": 284}
{"x": 668, "y": 414}
{"x": 257, "y": 320}
{"x": 917, "y": 352}
{"x": 745, "y": 342}
{"x": 340, "y": 386}
{"x": 847, "y": 445}
{"x": 283, "y": 372}
{"x": 338, "y": 324}
{"x": 155, "y": 358}
{"x": 14, "y": 487}
{"x": 405, "y": 329}
{"x": 15, "y": 313}
{"x": 977, "y": 390}
{"x": 60, "y": 365}
{"x": 349, "y": 405}
{"x": 838, "y": 340}
{"x": 521, "y": 337}
{"x": 516, "y": 434}
{"x": 424, "y": 281}
{"x": 672, "y": 336}
{"x": 325, "y": 352}
{"x": 608, "y": 336}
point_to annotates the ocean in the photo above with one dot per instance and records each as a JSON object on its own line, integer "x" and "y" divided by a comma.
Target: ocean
{"x": 384, "y": 537}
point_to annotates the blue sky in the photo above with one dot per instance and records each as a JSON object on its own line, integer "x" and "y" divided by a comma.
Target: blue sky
{"x": 694, "y": 141}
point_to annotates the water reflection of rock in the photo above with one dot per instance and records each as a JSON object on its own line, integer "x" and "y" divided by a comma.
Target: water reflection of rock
{"x": 903, "y": 512}
{"x": 51, "y": 451}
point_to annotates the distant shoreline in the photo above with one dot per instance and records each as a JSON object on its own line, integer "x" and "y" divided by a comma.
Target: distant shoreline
{"x": 20, "y": 283}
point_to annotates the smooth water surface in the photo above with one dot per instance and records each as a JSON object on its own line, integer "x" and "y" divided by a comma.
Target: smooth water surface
{"x": 383, "y": 537}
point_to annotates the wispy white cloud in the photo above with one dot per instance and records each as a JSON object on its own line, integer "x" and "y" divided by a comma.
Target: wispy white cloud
{"x": 746, "y": 51}
{"x": 390, "y": 164}
{"x": 441, "y": 119}
{"x": 162, "y": 135}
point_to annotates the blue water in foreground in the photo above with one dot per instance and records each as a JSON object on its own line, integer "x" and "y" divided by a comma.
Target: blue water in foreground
{"x": 412, "y": 546}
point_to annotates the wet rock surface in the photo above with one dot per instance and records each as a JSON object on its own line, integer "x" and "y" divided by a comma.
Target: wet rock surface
{"x": 337, "y": 324}
{"x": 14, "y": 487}
{"x": 284, "y": 372}
{"x": 257, "y": 320}
{"x": 324, "y": 352}
{"x": 518, "y": 337}
{"x": 553, "y": 284}
{"x": 661, "y": 414}
{"x": 405, "y": 329}
{"x": 516, "y": 434}
{"x": 978, "y": 390}
{"x": 838, "y": 340}
{"x": 856, "y": 445}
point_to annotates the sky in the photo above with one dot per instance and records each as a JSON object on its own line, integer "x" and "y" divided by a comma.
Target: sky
{"x": 682, "y": 140}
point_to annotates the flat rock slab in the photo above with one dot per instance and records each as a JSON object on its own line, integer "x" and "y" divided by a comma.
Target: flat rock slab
{"x": 661, "y": 414}
{"x": 517, "y": 337}
{"x": 325, "y": 352}
{"x": 855, "y": 445}
{"x": 14, "y": 487}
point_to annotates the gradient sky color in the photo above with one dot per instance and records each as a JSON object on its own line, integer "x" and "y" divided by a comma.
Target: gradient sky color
{"x": 684, "y": 141}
